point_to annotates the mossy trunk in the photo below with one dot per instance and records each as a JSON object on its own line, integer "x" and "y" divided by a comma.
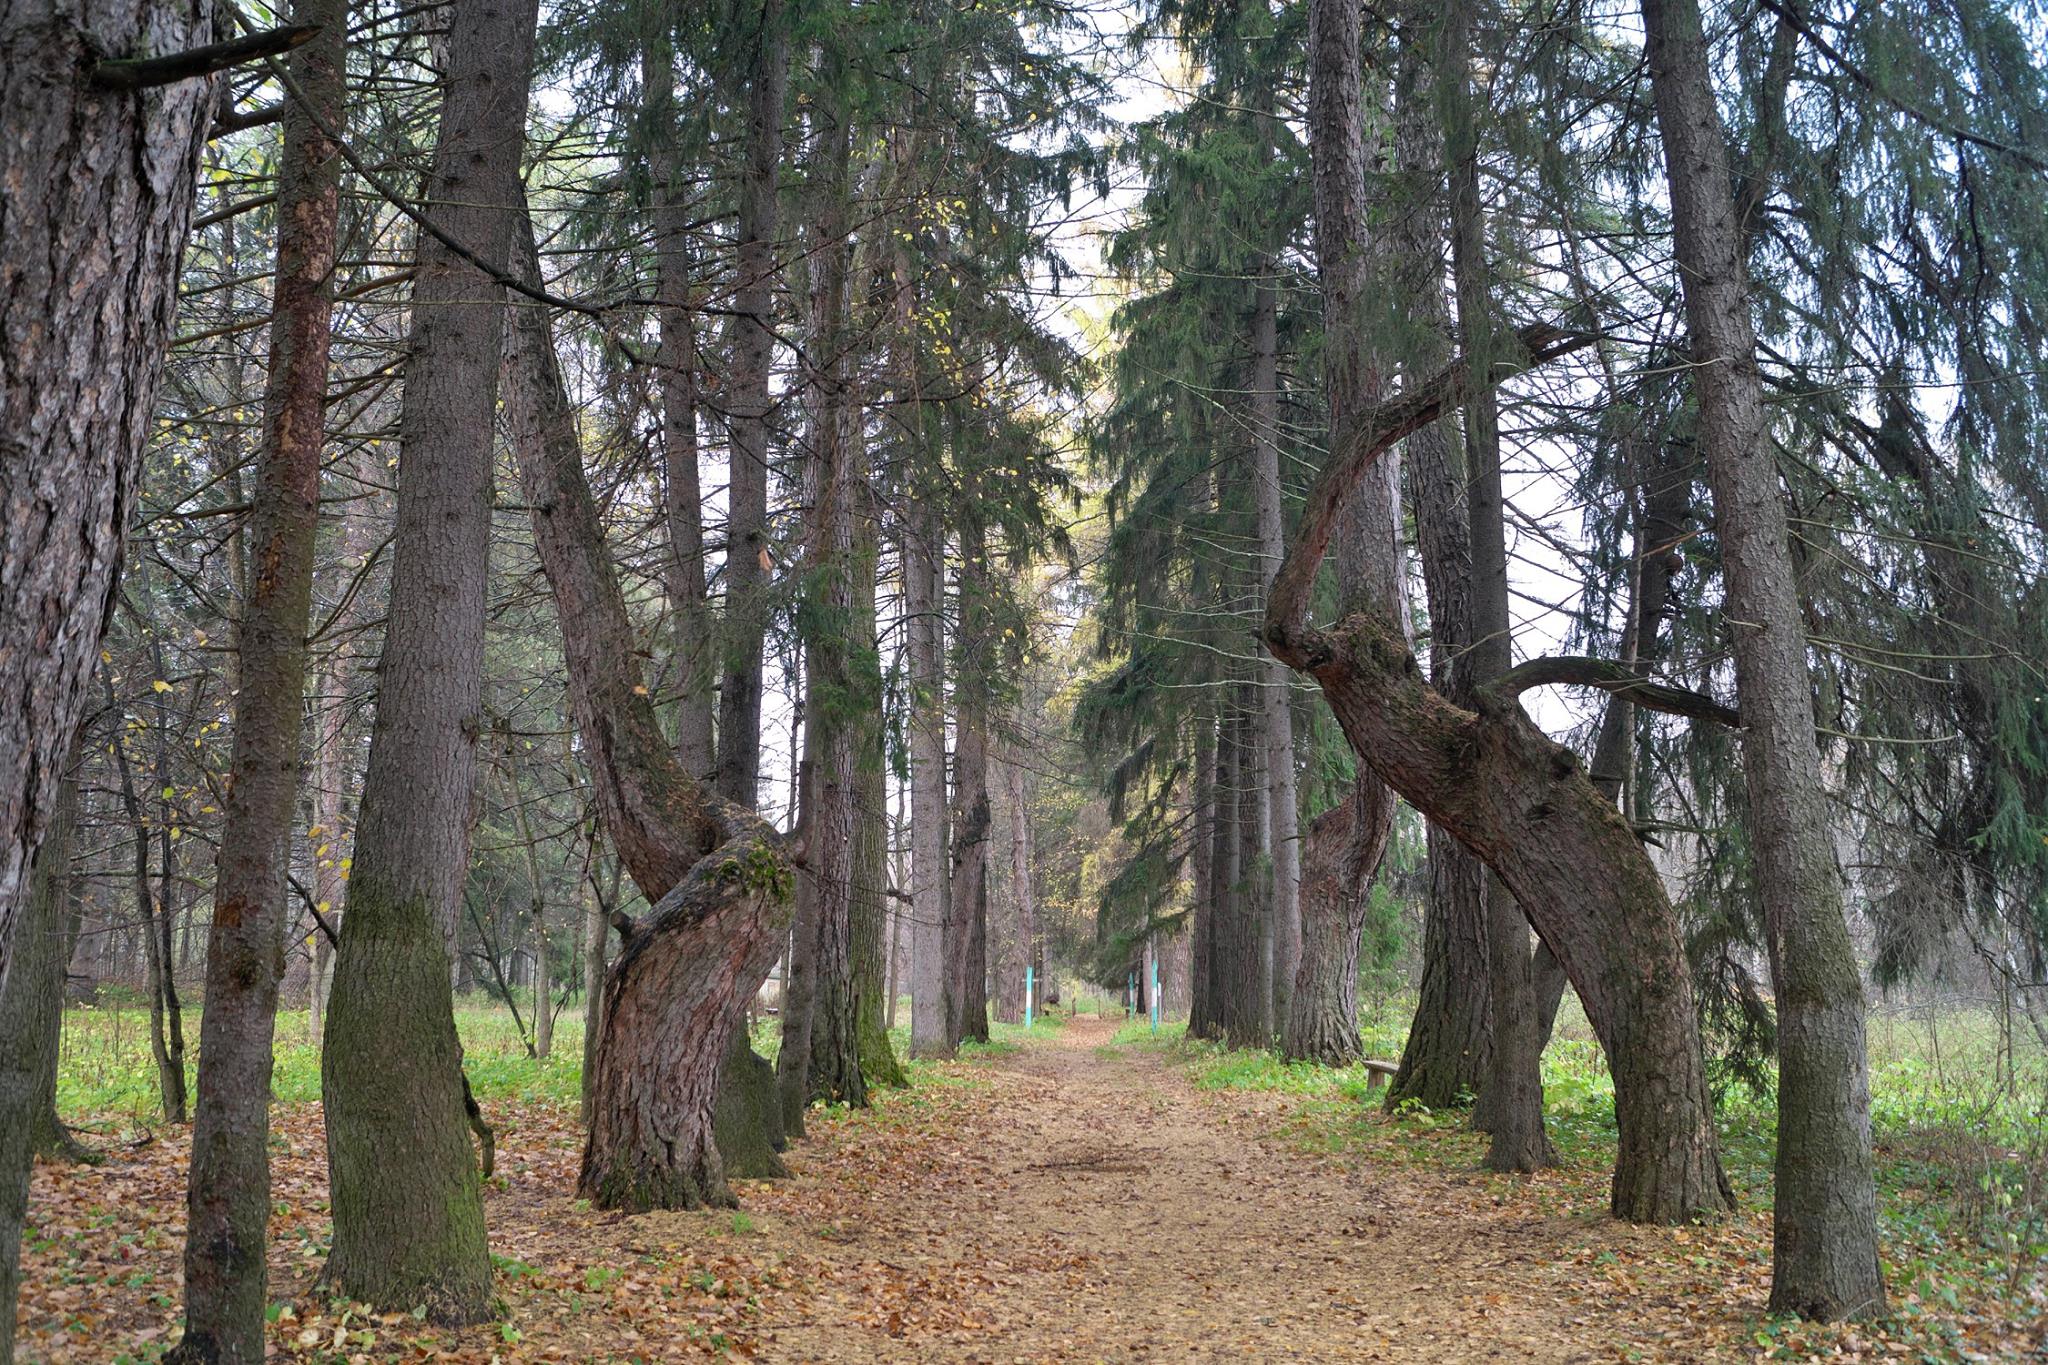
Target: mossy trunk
{"x": 408, "y": 1208}
{"x": 747, "y": 1119}
{"x": 673, "y": 1002}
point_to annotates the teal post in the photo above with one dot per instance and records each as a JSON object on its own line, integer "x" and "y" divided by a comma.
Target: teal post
{"x": 1155, "y": 993}
{"x": 1027, "y": 997}
{"x": 1131, "y": 1000}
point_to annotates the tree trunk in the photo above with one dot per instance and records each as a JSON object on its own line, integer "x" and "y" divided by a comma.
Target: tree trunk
{"x": 1447, "y": 1051}
{"x": 99, "y": 193}
{"x": 228, "y": 1187}
{"x": 1323, "y": 1025}
{"x": 1025, "y": 894}
{"x": 1202, "y": 1015}
{"x": 1824, "y": 1219}
{"x": 1239, "y": 968}
{"x": 163, "y": 990}
{"x": 931, "y": 1009}
{"x": 750, "y": 406}
{"x": 31, "y": 1017}
{"x": 408, "y": 1211}
{"x": 1371, "y": 571}
{"x": 967, "y": 902}
{"x": 1276, "y": 680}
{"x": 719, "y": 877}
{"x": 595, "y": 931}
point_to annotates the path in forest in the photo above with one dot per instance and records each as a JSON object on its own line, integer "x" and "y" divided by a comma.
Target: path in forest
{"x": 1092, "y": 1205}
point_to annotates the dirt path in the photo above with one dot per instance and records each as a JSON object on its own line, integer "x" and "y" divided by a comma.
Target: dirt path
{"x": 1091, "y": 1205}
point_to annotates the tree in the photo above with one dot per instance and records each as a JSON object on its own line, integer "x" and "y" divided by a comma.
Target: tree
{"x": 31, "y": 1011}
{"x": 408, "y": 1212}
{"x": 1825, "y": 1260}
{"x": 228, "y": 1194}
{"x": 101, "y": 184}
{"x": 718, "y": 877}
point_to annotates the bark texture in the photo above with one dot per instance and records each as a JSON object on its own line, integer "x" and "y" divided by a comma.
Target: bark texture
{"x": 99, "y": 190}
{"x": 719, "y": 877}
{"x": 1370, "y": 566}
{"x": 408, "y": 1211}
{"x": 1824, "y": 1217}
{"x": 228, "y": 1188}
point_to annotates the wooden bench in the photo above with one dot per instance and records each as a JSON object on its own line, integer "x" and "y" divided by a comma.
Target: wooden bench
{"x": 1378, "y": 1074}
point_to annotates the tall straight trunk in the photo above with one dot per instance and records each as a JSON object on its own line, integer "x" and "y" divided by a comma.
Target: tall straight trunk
{"x": 228, "y": 1186}
{"x": 1510, "y": 1106}
{"x": 820, "y": 1057}
{"x": 1202, "y": 1017}
{"x": 99, "y": 193}
{"x": 1824, "y": 1215}
{"x": 408, "y": 1210}
{"x": 31, "y": 1017}
{"x": 1023, "y": 892}
{"x": 536, "y": 916}
{"x": 967, "y": 901}
{"x": 1371, "y": 573}
{"x": 931, "y": 1008}
{"x": 873, "y": 923}
{"x": 673, "y": 1050}
{"x": 334, "y": 759}
{"x": 1239, "y": 968}
{"x": 1276, "y": 680}
{"x": 1488, "y": 776}
{"x": 750, "y": 407}
{"x": 150, "y": 918}
{"x": 1446, "y": 1053}
{"x": 682, "y": 487}
{"x": 592, "y": 943}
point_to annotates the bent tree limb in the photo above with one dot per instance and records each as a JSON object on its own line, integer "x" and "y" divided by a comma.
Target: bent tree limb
{"x": 719, "y": 875}
{"x": 1523, "y": 805}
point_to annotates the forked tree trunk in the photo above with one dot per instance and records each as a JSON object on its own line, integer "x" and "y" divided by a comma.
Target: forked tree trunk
{"x": 408, "y": 1209}
{"x": 1825, "y": 1260}
{"x": 228, "y": 1187}
{"x": 99, "y": 189}
{"x": 720, "y": 878}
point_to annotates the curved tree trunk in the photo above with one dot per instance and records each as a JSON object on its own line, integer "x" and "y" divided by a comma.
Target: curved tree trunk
{"x": 720, "y": 878}
{"x": 1825, "y": 1260}
{"x": 228, "y": 1186}
{"x": 408, "y": 1209}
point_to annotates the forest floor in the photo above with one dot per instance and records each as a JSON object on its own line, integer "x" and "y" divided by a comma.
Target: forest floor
{"x": 1082, "y": 1197}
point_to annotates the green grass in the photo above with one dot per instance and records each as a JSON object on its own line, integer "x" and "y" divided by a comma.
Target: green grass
{"x": 105, "y": 1070}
